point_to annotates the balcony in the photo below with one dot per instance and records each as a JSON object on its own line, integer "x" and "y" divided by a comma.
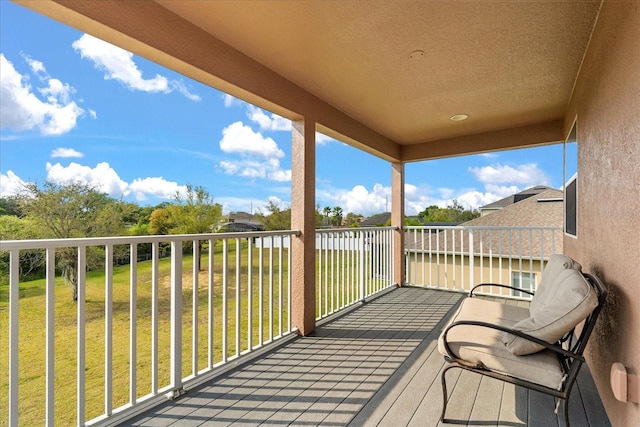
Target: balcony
{"x": 167, "y": 340}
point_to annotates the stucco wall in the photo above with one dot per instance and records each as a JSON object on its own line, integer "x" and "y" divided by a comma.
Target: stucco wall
{"x": 606, "y": 101}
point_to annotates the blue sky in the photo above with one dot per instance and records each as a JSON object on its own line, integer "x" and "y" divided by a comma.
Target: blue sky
{"x": 74, "y": 108}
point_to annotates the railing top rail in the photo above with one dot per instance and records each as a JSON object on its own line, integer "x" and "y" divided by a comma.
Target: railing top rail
{"x": 481, "y": 227}
{"x": 7, "y": 245}
{"x": 355, "y": 229}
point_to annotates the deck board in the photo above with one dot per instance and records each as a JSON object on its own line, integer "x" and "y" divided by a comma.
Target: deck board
{"x": 378, "y": 365}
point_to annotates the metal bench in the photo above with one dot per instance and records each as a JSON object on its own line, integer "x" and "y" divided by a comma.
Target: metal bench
{"x": 541, "y": 347}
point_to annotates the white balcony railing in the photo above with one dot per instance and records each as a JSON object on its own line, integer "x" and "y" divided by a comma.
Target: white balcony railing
{"x": 458, "y": 258}
{"x": 149, "y": 321}
{"x": 163, "y": 321}
{"x": 196, "y": 318}
{"x": 351, "y": 265}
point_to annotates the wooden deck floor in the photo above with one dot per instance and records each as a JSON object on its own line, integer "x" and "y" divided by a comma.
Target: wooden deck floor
{"x": 377, "y": 365}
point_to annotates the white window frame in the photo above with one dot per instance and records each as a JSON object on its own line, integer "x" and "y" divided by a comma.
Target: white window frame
{"x": 520, "y": 278}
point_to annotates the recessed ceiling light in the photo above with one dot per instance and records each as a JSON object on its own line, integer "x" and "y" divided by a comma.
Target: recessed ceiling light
{"x": 459, "y": 117}
{"x": 416, "y": 54}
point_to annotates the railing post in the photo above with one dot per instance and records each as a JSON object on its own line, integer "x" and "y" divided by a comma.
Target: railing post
{"x": 176, "y": 318}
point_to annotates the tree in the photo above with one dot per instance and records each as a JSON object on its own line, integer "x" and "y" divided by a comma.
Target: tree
{"x": 319, "y": 217}
{"x": 71, "y": 211}
{"x": 327, "y": 212}
{"x": 14, "y": 228}
{"x": 193, "y": 213}
{"x": 10, "y": 206}
{"x": 353, "y": 220}
{"x": 454, "y": 212}
{"x": 337, "y": 216}
{"x": 160, "y": 222}
{"x": 278, "y": 218}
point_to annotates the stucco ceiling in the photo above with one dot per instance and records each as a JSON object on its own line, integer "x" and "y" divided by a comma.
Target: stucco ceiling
{"x": 505, "y": 64}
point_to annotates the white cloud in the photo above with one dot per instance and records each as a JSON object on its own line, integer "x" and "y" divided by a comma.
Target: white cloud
{"x": 230, "y": 101}
{"x": 268, "y": 169}
{"x": 36, "y": 66}
{"x": 527, "y": 174}
{"x": 274, "y": 122}
{"x": 105, "y": 179}
{"x": 474, "y": 199}
{"x": 66, "y": 153}
{"x": 241, "y": 139}
{"x": 10, "y": 184}
{"x": 322, "y": 139}
{"x": 259, "y": 155}
{"x": 156, "y": 186}
{"x": 118, "y": 64}
{"x": 22, "y": 110}
{"x": 267, "y": 121}
{"x": 358, "y": 199}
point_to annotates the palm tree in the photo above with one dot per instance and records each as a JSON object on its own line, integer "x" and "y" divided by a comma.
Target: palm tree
{"x": 337, "y": 216}
{"x": 327, "y": 211}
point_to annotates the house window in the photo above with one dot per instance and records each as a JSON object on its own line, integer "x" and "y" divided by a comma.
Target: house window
{"x": 522, "y": 280}
{"x": 571, "y": 184}
{"x": 570, "y": 207}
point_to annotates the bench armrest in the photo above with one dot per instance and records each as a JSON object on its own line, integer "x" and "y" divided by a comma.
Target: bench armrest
{"x": 500, "y": 286}
{"x": 553, "y": 347}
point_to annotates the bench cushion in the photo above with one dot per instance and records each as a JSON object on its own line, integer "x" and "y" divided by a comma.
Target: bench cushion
{"x": 565, "y": 302}
{"x": 483, "y": 346}
{"x": 557, "y": 264}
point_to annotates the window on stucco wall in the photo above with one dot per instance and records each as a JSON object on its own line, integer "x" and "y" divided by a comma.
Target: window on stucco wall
{"x": 571, "y": 183}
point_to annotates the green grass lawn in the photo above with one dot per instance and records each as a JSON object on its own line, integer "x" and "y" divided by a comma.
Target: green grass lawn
{"x": 32, "y": 313}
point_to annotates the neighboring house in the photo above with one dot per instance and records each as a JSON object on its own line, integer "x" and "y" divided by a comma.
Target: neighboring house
{"x": 378, "y": 220}
{"x": 509, "y": 200}
{"x": 239, "y": 221}
{"x": 509, "y": 246}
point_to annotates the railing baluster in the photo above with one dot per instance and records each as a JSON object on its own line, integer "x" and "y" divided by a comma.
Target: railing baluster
{"x": 280, "y": 287}
{"x": 249, "y": 294}
{"x": 81, "y": 373}
{"x": 472, "y": 260}
{"x": 133, "y": 330}
{"x": 210, "y": 316}
{"x": 14, "y": 295}
{"x": 261, "y": 291}
{"x": 108, "y": 330}
{"x": 271, "y": 320}
{"x": 195, "y": 271}
{"x": 176, "y": 315}
{"x": 290, "y": 326}
{"x": 155, "y": 249}
{"x": 225, "y": 297}
{"x": 51, "y": 334}
{"x": 238, "y": 296}
{"x": 325, "y": 245}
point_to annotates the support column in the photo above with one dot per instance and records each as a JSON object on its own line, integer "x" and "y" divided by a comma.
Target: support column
{"x": 397, "y": 220}
{"x": 303, "y": 218}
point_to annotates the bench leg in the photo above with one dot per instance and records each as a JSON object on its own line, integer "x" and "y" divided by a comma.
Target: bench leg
{"x": 445, "y": 396}
{"x": 566, "y": 412}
